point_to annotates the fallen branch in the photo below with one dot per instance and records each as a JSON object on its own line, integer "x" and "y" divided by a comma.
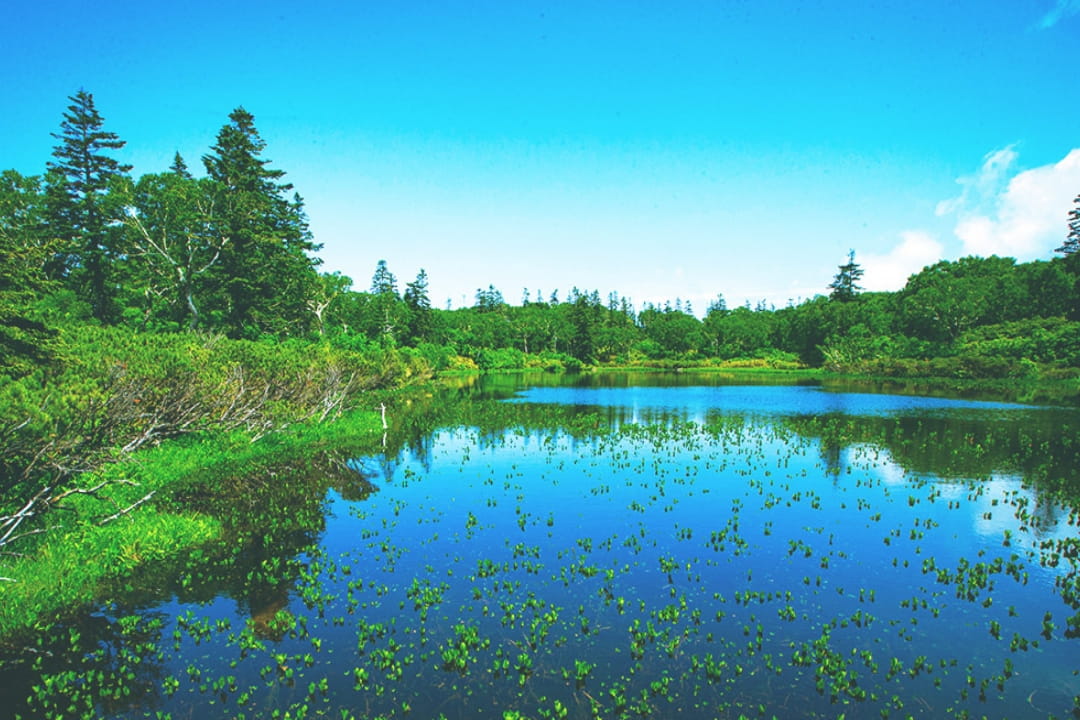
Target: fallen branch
{"x": 128, "y": 509}
{"x": 12, "y": 522}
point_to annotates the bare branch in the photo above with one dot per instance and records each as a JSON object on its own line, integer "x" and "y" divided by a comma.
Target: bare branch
{"x": 128, "y": 509}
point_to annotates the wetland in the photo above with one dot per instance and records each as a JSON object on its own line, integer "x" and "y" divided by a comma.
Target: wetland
{"x": 614, "y": 546}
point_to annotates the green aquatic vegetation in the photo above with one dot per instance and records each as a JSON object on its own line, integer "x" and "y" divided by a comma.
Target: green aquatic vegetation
{"x": 687, "y": 604}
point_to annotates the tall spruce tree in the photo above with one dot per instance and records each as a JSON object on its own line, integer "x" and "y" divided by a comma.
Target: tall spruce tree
{"x": 845, "y": 286}
{"x": 1072, "y": 238}
{"x": 79, "y": 211}
{"x": 418, "y": 304}
{"x": 265, "y": 274}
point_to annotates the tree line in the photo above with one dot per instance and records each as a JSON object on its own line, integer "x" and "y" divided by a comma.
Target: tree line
{"x": 138, "y": 309}
{"x": 231, "y": 253}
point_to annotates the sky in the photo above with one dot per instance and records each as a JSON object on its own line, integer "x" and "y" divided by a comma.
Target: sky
{"x": 659, "y": 150}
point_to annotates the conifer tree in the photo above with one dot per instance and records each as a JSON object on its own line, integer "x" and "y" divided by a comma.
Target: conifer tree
{"x": 79, "y": 210}
{"x": 266, "y": 274}
{"x": 179, "y": 167}
{"x": 383, "y": 282}
{"x": 1072, "y": 239}
{"x": 845, "y": 285}
{"x": 418, "y": 305}
{"x": 416, "y": 292}
{"x": 385, "y": 302}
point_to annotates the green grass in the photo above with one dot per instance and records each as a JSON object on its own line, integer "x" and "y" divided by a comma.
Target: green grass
{"x": 80, "y": 561}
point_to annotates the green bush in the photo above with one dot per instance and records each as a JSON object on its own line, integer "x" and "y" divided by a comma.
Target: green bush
{"x": 1041, "y": 340}
{"x": 112, "y": 390}
{"x": 499, "y": 359}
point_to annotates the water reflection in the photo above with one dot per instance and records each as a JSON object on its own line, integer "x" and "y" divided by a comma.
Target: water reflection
{"x": 614, "y": 500}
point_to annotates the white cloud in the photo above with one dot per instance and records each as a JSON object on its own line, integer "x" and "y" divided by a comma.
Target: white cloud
{"x": 1061, "y": 10}
{"x": 983, "y": 186}
{"x": 1024, "y": 218}
{"x": 916, "y": 250}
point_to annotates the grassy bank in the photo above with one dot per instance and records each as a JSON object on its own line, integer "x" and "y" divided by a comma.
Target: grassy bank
{"x": 189, "y": 486}
{"x": 101, "y": 432}
{"x": 1060, "y": 388}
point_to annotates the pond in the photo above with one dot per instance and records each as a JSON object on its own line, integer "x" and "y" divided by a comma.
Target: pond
{"x": 614, "y": 546}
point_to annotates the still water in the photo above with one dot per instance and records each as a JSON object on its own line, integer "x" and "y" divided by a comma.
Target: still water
{"x": 607, "y": 547}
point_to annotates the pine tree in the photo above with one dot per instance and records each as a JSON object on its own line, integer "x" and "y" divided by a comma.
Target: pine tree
{"x": 266, "y": 275}
{"x": 845, "y": 285}
{"x": 79, "y": 209}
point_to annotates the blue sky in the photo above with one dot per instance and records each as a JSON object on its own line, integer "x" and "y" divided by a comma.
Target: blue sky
{"x": 659, "y": 150}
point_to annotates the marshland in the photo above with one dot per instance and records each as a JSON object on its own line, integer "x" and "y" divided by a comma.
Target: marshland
{"x": 614, "y": 546}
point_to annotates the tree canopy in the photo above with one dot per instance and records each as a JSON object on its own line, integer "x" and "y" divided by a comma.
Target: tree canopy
{"x": 231, "y": 252}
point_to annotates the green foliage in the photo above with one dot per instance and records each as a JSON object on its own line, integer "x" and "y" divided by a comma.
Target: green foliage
{"x": 672, "y": 332}
{"x": 69, "y": 570}
{"x": 232, "y": 253}
{"x": 498, "y": 359}
{"x": 742, "y": 331}
{"x": 490, "y": 300}
{"x": 844, "y": 286}
{"x": 948, "y": 298}
{"x": 421, "y": 325}
{"x": 170, "y": 223}
{"x": 113, "y": 390}
{"x": 82, "y": 212}
{"x": 24, "y": 249}
{"x": 1072, "y": 238}
{"x": 265, "y": 272}
{"x": 210, "y": 487}
{"x": 1041, "y": 340}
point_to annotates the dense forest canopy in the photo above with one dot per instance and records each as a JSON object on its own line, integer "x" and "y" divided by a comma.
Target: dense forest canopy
{"x": 231, "y": 253}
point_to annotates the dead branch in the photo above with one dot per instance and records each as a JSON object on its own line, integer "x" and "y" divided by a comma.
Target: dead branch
{"x": 128, "y": 509}
{"x": 12, "y": 522}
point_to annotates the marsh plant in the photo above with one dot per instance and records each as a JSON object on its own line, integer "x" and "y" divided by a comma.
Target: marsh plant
{"x": 628, "y": 553}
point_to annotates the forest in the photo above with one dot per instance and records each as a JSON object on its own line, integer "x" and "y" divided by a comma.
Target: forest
{"x": 138, "y": 309}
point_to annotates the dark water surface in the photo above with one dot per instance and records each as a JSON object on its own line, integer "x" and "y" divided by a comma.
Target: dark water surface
{"x": 620, "y": 547}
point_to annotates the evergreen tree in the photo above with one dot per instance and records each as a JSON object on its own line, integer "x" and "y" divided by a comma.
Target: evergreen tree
{"x": 418, "y": 304}
{"x": 713, "y": 325}
{"x": 383, "y": 282}
{"x": 79, "y": 209}
{"x": 845, "y": 285}
{"x": 179, "y": 167}
{"x": 266, "y": 275}
{"x": 1071, "y": 250}
{"x": 1072, "y": 239}
{"x": 488, "y": 300}
{"x": 585, "y": 316}
{"x": 385, "y": 302}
